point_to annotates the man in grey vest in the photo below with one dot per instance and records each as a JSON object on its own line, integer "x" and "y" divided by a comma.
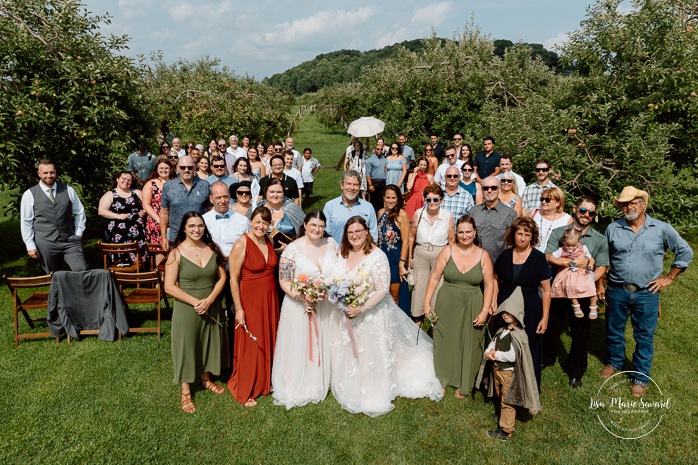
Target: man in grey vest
{"x": 52, "y": 222}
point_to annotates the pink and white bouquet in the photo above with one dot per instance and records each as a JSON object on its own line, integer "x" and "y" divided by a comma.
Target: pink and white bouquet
{"x": 313, "y": 290}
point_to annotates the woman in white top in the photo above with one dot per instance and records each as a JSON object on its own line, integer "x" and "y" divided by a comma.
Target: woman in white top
{"x": 551, "y": 215}
{"x": 431, "y": 229}
{"x": 508, "y": 192}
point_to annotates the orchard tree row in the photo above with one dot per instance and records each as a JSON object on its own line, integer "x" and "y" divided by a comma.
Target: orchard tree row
{"x": 626, "y": 115}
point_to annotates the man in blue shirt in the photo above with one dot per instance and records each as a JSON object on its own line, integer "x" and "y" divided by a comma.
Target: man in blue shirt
{"x": 487, "y": 163}
{"x": 637, "y": 244}
{"x": 407, "y": 151}
{"x": 340, "y": 209}
{"x": 375, "y": 176}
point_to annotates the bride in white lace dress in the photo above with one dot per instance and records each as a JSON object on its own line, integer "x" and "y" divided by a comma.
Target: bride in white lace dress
{"x": 393, "y": 357}
{"x": 301, "y": 370}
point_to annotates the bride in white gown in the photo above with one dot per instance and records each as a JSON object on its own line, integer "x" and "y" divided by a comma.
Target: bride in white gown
{"x": 301, "y": 369}
{"x": 393, "y": 357}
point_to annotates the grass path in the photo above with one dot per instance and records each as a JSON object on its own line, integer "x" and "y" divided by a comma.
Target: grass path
{"x": 96, "y": 402}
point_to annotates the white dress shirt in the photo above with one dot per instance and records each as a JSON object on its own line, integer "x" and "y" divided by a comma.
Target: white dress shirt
{"x": 226, "y": 231}
{"x": 26, "y": 212}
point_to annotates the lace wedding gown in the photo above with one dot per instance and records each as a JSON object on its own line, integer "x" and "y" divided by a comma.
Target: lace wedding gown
{"x": 395, "y": 358}
{"x": 301, "y": 370}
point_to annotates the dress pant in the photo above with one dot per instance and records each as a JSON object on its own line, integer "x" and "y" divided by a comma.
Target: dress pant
{"x": 53, "y": 253}
{"x": 561, "y": 314}
{"x": 423, "y": 264}
{"x": 507, "y": 414}
{"x": 376, "y": 197}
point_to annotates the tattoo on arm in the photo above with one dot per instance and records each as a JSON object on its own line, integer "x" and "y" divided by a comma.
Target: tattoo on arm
{"x": 286, "y": 270}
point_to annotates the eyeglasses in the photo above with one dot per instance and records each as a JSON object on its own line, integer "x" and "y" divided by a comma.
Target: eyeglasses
{"x": 432, "y": 200}
{"x": 542, "y": 170}
{"x": 634, "y": 203}
{"x": 452, "y": 176}
{"x": 243, "y": 193}
{"x": 186, "y": 168}
{"x": 356, "y": 233}
{"x": 489, "y": 188}
{"x": 584, "y": 211}
{"x": 457, "y": 138}
{"x": 506, "y": 180}
{"x": 467, "y": 170}
{"x": 218, "y": 166}
{"x": 545, "y": 199}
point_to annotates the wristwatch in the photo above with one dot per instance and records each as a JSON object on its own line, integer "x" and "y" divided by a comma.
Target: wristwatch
{"x": 573, "y": 264}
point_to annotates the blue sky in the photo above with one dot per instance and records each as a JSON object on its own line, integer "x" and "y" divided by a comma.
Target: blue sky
{"x": 263, "y": 37}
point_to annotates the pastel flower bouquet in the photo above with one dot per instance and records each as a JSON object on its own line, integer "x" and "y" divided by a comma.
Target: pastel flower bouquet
{"x": 313, "y": 290}
{"x": 349, "y": 292}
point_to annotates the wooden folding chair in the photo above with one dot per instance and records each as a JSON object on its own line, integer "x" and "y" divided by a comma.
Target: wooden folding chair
{"x": 154, "y": 250}
{"x": 148, "y": 290}
{"x": 121, "y": 256}
{"x": 36, "y": 301}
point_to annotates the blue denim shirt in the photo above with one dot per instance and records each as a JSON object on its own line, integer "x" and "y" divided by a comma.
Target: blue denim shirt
{"x": 639, "y": 258}
{"x": 375, "y": 169}
{"x": 338, "y": 212}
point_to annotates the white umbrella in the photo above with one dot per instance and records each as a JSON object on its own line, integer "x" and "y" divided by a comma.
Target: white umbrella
{"x": 366, "y": 126}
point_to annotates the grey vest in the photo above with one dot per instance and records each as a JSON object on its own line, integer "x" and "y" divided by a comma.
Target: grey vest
{"x": 53, "y": 221}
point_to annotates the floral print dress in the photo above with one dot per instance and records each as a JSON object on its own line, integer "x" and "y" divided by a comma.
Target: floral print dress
{"x": 118, "y": 231}
{"x": 152, "y": 227}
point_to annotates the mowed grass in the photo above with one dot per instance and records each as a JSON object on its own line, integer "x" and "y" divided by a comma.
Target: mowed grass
{"x": 97, "y": 402}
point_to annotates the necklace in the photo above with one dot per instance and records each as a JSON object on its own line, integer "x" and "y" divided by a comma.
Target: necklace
{"x": 544, "y": 237}
{"x": 470, "y": 250}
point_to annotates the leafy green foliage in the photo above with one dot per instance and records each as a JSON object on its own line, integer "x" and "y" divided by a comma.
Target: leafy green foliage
{"x": 345, "y": 66}
{"x": 199, "y": 100}
{"x": 625, "y": 115}
{"x": 65, "y": 94}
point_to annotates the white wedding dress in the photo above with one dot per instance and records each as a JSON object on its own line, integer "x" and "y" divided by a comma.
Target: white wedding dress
{"x": 395, "y": 358}
{"x": 300, "y": 375}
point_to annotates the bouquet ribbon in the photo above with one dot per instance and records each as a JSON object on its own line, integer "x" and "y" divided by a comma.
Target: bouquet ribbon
{"x": 312, "y": 325}
{"x": 351, "y": 337}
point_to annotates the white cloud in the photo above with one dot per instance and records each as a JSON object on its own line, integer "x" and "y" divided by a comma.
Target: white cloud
{"x": 394, "y": 37}
{"x": 322, "y": 22}
{"x": 433, "y": 14}
{"x": 182, "y": 12}
{"x": 554, "y": 43}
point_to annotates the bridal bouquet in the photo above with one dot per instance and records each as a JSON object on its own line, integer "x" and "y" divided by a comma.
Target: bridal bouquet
{"x": 313, "y": 290}
{"x": 349, "y": 292}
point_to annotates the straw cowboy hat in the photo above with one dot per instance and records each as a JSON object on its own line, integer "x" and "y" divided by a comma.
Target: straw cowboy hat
{"x": 629, "y": 193}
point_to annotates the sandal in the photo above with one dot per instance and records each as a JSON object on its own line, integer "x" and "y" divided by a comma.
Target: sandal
{"x": 250, "y": 402}
{"x": 577, "y": 311}
{"x": 211, "y": 386}
{"x": 186, "y": 403}
{"x": 593, "y": 312}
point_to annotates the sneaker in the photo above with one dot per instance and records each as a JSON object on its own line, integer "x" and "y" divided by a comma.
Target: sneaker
{"x": 638, "y": 390}
{"x": 498, "y": 434}
{"x": 578, "y": 311}
{"x": 593, "y": 313}
{"x": 607, "y": 371}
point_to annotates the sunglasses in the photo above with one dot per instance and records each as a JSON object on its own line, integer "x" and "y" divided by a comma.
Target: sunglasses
{"x": 457, "y": 138}
{"x": 489, "y": 188}
{"x": 186, "y": 168}
{"x": 467, "y": 170}
{"x": 190, "y": 146}
{"x": 452, "y": 176}
{"x": 545, "y": 199}
{"x": 277, "y": 149}
{"x": 428, "y": 150}
{"x": 584, "y": 211}
{"x": 393, "y": 148}
{"x": 542, "y": 170}
{"x": 164, "y": 147}
{"x": 221, "y": 145}
{"x": 218, "y": 166}
{"x": 432, "y": 200}
{"x": 172, "y": 157}
{"x": 506, "y": 180}
{"x": 244, "y": 193}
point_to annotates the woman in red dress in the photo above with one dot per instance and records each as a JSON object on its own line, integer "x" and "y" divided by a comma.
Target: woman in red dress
{"x": 253, "y": 264}
{"x": 417, "y": 181}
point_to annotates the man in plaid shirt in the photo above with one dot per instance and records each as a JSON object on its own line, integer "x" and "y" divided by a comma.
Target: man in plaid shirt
{"x": 457, "y": 200}
{"x": 531, "y": 196}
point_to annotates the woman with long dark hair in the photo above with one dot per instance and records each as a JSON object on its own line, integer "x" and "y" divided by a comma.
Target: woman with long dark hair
{"x": 301, "y": 371}
{"x": 195, "y": 276}
{"x": 253, "y": 286}
{"x": 461, "y": 308}
{"x": 393, "y": 240}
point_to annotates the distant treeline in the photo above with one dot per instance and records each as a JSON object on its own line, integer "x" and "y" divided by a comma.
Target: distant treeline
{"x": 346, "y": 65}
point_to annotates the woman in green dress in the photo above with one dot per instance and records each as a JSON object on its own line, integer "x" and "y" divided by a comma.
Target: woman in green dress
{"x": 195, "y": 276}
{"x": 461, "y": 308}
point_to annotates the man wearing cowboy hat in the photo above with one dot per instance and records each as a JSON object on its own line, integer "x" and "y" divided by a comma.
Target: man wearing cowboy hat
{"x": 637, "y": 244}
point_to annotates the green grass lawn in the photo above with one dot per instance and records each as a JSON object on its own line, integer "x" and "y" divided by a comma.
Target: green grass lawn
{"x": 96, "y": 402}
